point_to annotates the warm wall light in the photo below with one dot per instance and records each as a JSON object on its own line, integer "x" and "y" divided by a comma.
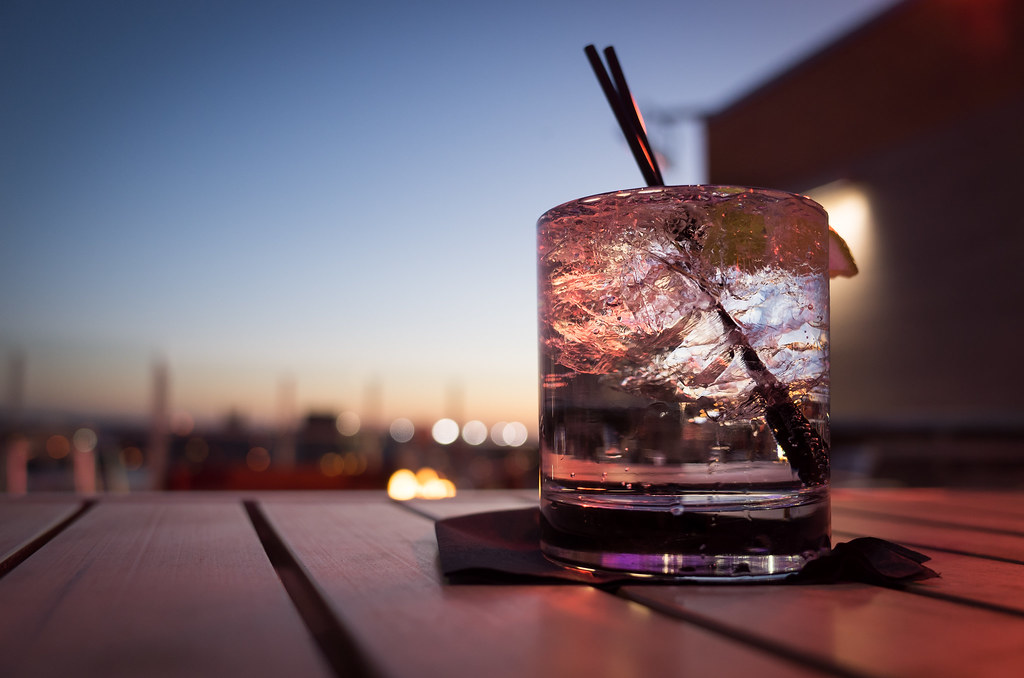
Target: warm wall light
{"x": 853, "y": 300}
{"x": 849, "y": 213}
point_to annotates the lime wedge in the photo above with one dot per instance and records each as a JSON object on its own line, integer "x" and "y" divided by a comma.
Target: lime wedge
{"x": 840, "y": 259}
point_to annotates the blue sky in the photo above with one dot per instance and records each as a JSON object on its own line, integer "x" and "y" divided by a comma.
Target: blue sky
{"x": 335, "y": 194}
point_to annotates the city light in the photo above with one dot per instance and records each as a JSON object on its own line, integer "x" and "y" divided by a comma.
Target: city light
{"x": 425, "y": 475}
{"x": 57, "y": 446}
{"x": 348, "y": 423}
{"x": 509, "y": 434}
{"x": 445, "y": 431}
{"x": 131, "y": 458}
{"x": 514, "y": 434}
{"x": 339, "y": 446}
{"x": 402, "y": 430}
{"x": 257, "y": 459}
{"x": 332, "y": 464}
{"x": 498, "y": 433}
{"x": 84, "y": 440}
{"x": 431, "y": 486}
{"x": 404, "y": 485}
{"x": 474, "y": 432}
{"x": 354, "y": 464}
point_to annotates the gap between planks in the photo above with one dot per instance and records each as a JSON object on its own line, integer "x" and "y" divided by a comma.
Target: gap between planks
{"x": 332, "y": 638}
{"x": 40, "y": 540}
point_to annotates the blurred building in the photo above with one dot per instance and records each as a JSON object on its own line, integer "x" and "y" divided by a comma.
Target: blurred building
{"x": 909, "y": 131}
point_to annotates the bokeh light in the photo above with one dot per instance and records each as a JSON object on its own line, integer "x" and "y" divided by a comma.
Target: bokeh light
{"x": 402, "y": 430}
{"x": 57, "y": 446}
{"x": 348, "y": 423}
{"x": 131, "y": 458}
{"x": 425, "y": 483}
{"x": 514, "y": 434}
{"x": 354, "y": 464}
{"x": 426, "y": 475}
{"x": 445, "y": 431}
{"x": 474, "y": 432}
{"x": 332, "y": 464}
{"x": 437, "y": 488}
{"x": 258, "y": 459}
{"x": 498, "y": 433}
{"x": 402, "y": 485}
{"x": 85, "y": 440}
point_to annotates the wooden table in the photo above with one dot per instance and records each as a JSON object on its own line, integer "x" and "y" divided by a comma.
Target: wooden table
{"x": 347, "y": 584}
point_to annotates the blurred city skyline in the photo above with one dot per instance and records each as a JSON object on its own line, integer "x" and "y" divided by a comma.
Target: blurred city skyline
{"x": 302, "y": 207}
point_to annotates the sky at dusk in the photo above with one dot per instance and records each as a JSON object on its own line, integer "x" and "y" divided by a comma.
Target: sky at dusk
{"x": 338, "y": 196}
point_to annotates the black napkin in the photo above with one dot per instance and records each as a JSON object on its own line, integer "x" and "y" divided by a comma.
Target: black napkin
{"x": 502, "y": 547}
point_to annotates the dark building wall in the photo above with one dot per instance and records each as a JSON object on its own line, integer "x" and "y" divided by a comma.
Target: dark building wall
{"x": 942, "y": 334}
{"x": 923, "y": 109}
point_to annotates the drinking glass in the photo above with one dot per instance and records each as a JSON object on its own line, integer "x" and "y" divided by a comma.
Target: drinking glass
{"x": 685, "y": 382}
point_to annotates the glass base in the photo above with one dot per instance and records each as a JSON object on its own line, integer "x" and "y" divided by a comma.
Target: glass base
{"x": 742, "y": 536}
{"x": 682, "y": 567}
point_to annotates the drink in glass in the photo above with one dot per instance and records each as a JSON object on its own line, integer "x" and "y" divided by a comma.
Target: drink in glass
{"x": 684, "y": 382}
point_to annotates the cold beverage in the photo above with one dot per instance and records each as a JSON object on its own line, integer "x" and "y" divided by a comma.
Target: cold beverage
{"x": 684, "y": 382}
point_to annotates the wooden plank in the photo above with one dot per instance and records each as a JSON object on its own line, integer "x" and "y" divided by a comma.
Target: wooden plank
{"x": 992, "y": 583}
{"x": 161, "y": 589}
{"x": 865, "y": 630}
{"x": 937, "y": 506}
{"x": 993, "y": 501}
{"x": 240, "y": 496}
{"x": 23, "y": 521}
{"x": 377, "y": 567}
{"x": 950, "y": 538}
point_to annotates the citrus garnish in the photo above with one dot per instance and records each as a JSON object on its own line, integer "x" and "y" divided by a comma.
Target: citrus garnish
{"x": 840, "y": 259}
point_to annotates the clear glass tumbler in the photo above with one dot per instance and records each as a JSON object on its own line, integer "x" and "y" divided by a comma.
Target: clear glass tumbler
{"x": 685, "y": 382}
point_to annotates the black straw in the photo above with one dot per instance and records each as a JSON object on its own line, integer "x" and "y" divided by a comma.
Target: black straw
{"x": 633, "y": 113}
{"x": 627, "y": 117}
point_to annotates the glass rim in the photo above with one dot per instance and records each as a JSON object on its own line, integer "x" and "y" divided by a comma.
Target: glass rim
{"x": 724, "y": 191}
